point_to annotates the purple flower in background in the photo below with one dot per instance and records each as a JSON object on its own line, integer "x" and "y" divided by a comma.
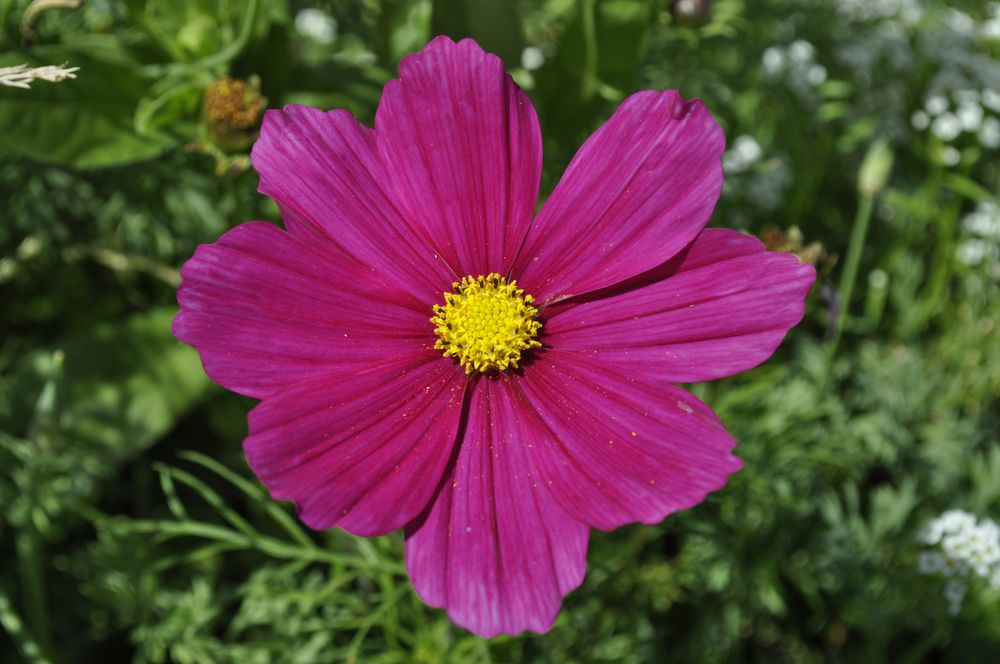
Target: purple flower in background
{"x": 431, "y": 354}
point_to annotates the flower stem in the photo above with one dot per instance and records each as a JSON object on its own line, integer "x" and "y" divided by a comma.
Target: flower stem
{"x": 29, "y": 558}
{"x": 942, "y": 265}
{"x": 859, "y": 232}
{"x": 590, "y": 79}
{"x": 11, "y": 623}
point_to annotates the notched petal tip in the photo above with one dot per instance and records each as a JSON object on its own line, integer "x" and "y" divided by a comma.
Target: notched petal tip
{"x": 462, "y": 149}
{"x": 636, "y": 193}
{"x": 723, "y": 306}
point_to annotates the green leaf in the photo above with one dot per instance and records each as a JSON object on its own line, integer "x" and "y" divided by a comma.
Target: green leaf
{"x": 127, "y": 383}
{"x": 968, "y": 188}
{"x": 119, "y": 388}
{"x": 86, "y": 122}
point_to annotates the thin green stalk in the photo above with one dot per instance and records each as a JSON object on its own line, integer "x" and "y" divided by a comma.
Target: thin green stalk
{"x": 859, "y": 233}
{"x": 165, "y": 530}
{"x": 11, "y": 623}
{"x": 590, "y": 78}
{"x": 388, "y": 603}
{"x": 942, "y": 265}
{"x": 5, "y": 7}
{"x": 29, "y": 560}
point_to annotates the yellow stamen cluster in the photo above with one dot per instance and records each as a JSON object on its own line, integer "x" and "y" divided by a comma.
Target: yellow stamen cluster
{"x": 486, "y": 323}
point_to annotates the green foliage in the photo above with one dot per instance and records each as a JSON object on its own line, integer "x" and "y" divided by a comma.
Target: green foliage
{"x": 130, "y": 526}
{"x": 77, "y": 412}
{"x": 86, "y": 122}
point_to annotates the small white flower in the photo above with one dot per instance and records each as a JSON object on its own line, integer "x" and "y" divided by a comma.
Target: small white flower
{"x": 991, "y": 29}
{"x": 970, "y": 116}
{"x": 989, "y": 133}
{"x": 816, "y": 75}
{"x": 931, "y": 532}
{"x": 748, "y": 148}
{"x": 957, "y": 521}
{"x": 801, "y": 51}
{"x": 774, "y": 61}
{"x": 972, "y": 252}
{"x": 920, "y": 120}
{"x": 984, "y": 221}
{"x": 950, "y": 156}
{"x": 532, "y": 58}
{"x": 878, "y": 279}
{"x": 744, "y": 153}
{"x": 316, "y": 25}
{"x": 966, "y": 96}
{"x": 936, "y": 105}
{"x": 947, "y": 127}
{"x": 960, "y": 22}
{"x": 991, "y": 99}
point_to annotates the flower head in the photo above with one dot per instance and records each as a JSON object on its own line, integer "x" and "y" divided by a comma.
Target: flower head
{"x": 231, "y": 109}
{"x": 431, "y": 354}
{"x": 970, "y": 548}
{"x": 21, "y": 76}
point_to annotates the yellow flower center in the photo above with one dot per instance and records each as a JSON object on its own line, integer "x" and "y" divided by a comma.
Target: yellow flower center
{"x": 486, "y": 323}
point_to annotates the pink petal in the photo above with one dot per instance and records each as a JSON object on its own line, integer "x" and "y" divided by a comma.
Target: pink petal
{"x": 495, "y": 549}
{"x": 639, "y": 190}
{"x": 463, "y": 151}
{"x": 614, "y": 448}
{"x": 324, "y": 172}
{"x": 266, "y": 310}
{"x": 719, "y": 313}
{"x": 360, "y": 450}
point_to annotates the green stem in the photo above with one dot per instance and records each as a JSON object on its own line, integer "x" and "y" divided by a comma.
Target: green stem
{"x": 11, "y": 623}
{"x": 942, "y": 265}
{"x": 29, "y": 559}
{"x": 590, "y": 50}
{"x": 859, "y": 232}
{"x": 165, "y": 530}
{"x": 5, "y": 7}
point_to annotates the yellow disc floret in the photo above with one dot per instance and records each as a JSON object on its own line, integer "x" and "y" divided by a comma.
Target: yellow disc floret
{"x": 486, "y": 323}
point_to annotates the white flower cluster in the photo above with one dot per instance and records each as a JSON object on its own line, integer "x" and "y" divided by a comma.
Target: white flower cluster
{"x": 795, "y": 63}
{"x": 966, "y": 25}
{"x": 963, "y": 548}
{"x": 962, "y": 112}
{"x": 982, "y": 230}
{"x": 744, "y": 154}
{"x": 906, "y": 11}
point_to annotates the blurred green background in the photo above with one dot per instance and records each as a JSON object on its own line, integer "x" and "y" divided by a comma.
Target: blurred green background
{"x": 130, "y": 526}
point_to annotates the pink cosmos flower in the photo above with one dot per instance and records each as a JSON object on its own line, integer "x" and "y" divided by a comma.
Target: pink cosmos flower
{"x": 431, "y": 354}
